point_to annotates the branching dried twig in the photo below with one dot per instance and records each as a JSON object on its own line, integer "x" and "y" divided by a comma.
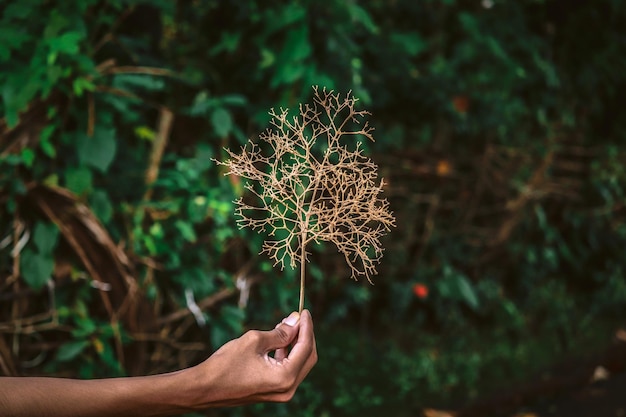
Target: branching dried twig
{"x": 310, "y": 193}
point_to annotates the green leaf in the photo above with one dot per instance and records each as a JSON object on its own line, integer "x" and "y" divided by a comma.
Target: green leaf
{"x": 44, "y": 141}
{"x": 85, "y": 325}
{"x": 5, "y": 53}
{"x": 234, "y": 100}
{"x": 11, "y": 38}
{"x": 466, "y": 290}
{"x": 81, "y": 85}
{"x": 134, "y": 82}
{"x": 287, "y": 15}
{"x": 148, "y": 242}
{"x": 48, "y": 149}
{"x": 18, "y": 10}
{"x": 267, "y": 58}
{"x": 97, "y": 151}
{"x": 51, "y": 180}
{"x": 219, "y": 334}
{"x": 411, "y": 42}
{"x": 67, "y": 43}
{"x": 101, "y": 205}
{"x": 360, "y": 15}
{"x": 145, "y": 133}
{"x": 290, "y": 64}
{"x": 107, "y": 354}
{"x": 201, "y": 103}
{"x": 55, "y": 23}
{"x": 228, "y": 43}
{"x": 197, "y": 209}
{"x": 156, "y": 230}
{"x": 46, "y": 236}
{"x": 36, "y": 268}
{"x": 233, "y": 317}
{"x": 203, "y": 156}
{"x": 70, "y": 350}
{"x": 469, "y": 23}
{"x": 186, "y": 230}
{"x": 28, "y": 157}
{"x": 78, "y": 180}
{"x": 222, "y": 122}
{"x": 12, "y": 104}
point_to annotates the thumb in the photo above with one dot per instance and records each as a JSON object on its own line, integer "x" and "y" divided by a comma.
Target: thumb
{"x": 284, "y": 333}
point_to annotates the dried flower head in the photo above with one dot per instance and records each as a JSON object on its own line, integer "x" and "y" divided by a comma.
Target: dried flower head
{"x": 305, "y": 191}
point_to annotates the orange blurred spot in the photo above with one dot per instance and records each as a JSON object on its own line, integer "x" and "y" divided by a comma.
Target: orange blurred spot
{"x": 430, "y": 412}
{"x": 235, "y": 180}
{"x": 444, "y": 168}
{"x": 420, "y": 290}
{"x": 460, "y": 104}
{"x": 98, "y": 345}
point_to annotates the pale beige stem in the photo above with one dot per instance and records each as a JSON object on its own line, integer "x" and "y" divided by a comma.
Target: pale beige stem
{"x": 302, "y": 271}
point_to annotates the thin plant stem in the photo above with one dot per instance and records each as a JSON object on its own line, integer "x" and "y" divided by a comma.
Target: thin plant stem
{"x": 302, "y": 272}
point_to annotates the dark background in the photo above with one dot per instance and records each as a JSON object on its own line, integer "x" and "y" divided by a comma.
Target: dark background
{"x": 499, "y": 130}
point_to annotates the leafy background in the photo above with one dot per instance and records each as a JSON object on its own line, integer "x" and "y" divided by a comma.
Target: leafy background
{"x": 498, "y": 129}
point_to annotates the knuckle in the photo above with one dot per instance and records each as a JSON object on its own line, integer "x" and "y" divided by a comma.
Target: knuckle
{"x": 313, "y": 357}
{"x": 252, "y": 336}
{"x": 285, "y": 383}
{"x": 285, "y": 396}
{"x": 283, "y": 335}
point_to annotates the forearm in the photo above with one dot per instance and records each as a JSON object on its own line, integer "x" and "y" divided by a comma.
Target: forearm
{"x": 158, "y": 395}
{"x": 240, "y": 372}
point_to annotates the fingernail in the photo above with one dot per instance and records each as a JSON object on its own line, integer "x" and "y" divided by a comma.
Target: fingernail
{"x": 292, "y": 319}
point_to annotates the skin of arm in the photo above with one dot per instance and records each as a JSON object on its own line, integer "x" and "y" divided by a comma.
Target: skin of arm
{"x": 240, "y": 372}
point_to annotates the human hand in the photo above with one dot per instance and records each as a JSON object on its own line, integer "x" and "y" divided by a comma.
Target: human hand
{"x": 242, "y": 371}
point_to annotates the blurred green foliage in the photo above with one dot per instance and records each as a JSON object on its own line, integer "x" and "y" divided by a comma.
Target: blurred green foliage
{"x": 498, "y": 128}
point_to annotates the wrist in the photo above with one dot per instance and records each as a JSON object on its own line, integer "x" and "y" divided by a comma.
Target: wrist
{"x": 196, "y": 387}
{"x": 165, "y": 394}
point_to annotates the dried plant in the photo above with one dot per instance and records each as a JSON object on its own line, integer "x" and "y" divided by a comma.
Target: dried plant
{"x": 305, "y": 191}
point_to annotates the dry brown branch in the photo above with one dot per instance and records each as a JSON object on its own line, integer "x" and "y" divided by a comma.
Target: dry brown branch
{"x": 109, "y": 36}
{"x": 7, "y": 361}
{"x": 104, "y": 261}
{"x": 91, "y": 114}
{"x": 137, "y": 70}
{"x": 532, "y": 191}
{"x": 149, "y": 337}
{"x": 204, "y": 304}
{"x": 31, "y": 121}
{"x": 310, "y": 192}
{"x": 33, "y": 323}
{"x": 166, "y": 119}
{"x": 105, "y": 65}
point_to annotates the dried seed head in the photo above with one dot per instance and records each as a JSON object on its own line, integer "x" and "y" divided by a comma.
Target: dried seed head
{"x": 310, "y": 182}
